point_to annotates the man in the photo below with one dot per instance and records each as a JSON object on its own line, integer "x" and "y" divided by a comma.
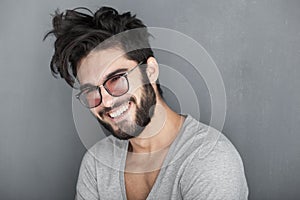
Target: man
{"x": 153, "y": 152}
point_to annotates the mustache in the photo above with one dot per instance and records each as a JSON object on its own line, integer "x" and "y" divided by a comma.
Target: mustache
{"x": 116, "y": 104}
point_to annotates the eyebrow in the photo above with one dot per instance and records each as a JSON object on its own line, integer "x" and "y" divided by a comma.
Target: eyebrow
{"x": 111, "y": 74}
{"x": 86, "y": 86}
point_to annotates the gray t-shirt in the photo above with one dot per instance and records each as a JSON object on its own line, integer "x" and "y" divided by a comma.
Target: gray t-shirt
{"x": 201, "y": 163}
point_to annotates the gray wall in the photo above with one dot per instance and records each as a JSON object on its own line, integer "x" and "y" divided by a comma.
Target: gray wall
{"x": 255, "y": 44}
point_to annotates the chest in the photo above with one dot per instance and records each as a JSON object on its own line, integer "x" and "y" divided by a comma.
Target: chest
{"x": 139, "y": 185}
{"x": 141, "y": 172}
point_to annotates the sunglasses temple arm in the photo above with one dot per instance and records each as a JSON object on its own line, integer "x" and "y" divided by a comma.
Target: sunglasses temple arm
{"x": 133, "y": 69}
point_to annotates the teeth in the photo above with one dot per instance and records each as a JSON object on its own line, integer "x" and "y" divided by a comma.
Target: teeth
{"x": 120, "y": 111}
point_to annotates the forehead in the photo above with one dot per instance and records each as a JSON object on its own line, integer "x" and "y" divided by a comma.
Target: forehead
{"x": 97, "y": 64}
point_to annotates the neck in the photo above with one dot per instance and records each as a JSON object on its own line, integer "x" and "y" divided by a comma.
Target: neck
{"x": 160, "y": 132}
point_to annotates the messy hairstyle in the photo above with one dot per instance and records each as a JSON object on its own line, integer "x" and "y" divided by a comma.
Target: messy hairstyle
{"x": 78, "y": 33}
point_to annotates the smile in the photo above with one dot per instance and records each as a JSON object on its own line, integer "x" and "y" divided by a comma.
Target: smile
{"x": 116, "y": 113}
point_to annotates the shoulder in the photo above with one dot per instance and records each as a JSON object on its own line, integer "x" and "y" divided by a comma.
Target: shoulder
{"x": 208, "y": 143}
{"x": 215, "y": 169}
{"x": 105, "y": 152}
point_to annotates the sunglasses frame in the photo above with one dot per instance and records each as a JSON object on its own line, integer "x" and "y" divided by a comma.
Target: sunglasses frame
{"x": 98, "y": 87}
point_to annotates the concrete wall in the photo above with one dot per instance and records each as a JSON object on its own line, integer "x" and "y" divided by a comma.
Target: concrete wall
{"x": 255, "y": 44}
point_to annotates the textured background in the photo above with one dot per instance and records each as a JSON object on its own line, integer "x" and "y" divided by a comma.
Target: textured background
{"x": 255, "y": 44}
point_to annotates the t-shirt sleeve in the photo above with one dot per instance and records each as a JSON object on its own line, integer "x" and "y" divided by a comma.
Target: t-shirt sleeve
{"x": 86, "y": 188}
{"x": 217, "y": 175}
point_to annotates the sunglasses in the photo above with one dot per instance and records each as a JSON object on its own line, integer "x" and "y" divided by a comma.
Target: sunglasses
{"x": 116, "y": 86}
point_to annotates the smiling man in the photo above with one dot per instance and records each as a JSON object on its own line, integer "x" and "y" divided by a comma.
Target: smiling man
{"x": 153, "y": 152}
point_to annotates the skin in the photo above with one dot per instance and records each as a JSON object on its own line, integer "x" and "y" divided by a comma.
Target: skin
{"x": 164, "y": 124}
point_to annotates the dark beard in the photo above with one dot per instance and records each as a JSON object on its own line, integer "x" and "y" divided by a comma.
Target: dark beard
{"x": 143, "y": 116}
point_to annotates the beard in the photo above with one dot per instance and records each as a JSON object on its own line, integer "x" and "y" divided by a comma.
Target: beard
{"x": 144, "y": 112}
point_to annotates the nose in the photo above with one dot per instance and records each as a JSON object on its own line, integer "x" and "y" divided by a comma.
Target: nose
{"x": 107, "y": 99}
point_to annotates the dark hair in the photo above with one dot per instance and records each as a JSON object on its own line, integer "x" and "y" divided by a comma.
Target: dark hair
{"x": 78, "y": 33}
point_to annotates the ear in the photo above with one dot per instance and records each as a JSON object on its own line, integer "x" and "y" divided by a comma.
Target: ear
{"x": 152, "y": 69}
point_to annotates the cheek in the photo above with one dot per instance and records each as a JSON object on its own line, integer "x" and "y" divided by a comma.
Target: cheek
{"x": 136, "y": 94}
{"x": 135, "y": 88}
{"x": 95, "y": 112}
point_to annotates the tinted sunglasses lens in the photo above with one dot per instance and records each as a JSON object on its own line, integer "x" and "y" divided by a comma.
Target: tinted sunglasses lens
{"x": 90, "y": 98}
{"x": 117, "y": 85}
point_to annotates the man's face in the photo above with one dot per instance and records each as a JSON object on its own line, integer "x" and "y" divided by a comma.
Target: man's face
{"x": 125, "y": 116}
